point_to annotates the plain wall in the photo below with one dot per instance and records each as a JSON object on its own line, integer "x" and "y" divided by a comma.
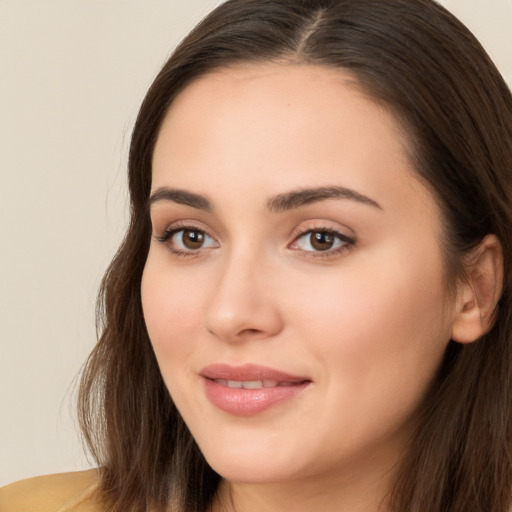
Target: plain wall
{"x": 72, "y": 76}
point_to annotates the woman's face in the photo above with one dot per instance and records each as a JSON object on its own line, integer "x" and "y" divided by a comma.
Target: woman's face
{"x": 294, "y": 290}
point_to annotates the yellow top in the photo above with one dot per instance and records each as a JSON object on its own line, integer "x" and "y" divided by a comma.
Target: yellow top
{"x": 64, "y": 492}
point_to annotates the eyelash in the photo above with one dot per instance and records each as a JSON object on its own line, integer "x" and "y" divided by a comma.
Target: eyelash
{"x": 166, "y": 236}
{"x": 347, "y": 243}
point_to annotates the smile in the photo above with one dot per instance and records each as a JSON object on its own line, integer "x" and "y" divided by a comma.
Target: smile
{"x": 252, "y": 384}
{"x": 248, "y": 390}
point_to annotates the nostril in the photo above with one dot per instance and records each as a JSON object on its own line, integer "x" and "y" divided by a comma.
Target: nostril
{"x": 249, "y": 331}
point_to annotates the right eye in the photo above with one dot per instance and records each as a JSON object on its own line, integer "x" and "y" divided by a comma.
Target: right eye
{"x": 187, "y": 240}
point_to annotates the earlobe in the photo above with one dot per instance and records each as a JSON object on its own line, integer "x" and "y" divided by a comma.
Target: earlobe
{"x": 479, "y": 293}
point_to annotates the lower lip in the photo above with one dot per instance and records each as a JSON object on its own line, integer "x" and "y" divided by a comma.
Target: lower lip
{"x": 248, "y": 402}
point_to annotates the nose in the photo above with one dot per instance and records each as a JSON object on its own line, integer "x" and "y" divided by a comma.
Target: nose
{"x": 244, "y": 304}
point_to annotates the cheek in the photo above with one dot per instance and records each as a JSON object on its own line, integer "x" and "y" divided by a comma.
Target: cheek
{"x": 379, "y": 342}
{"x": 381, "y": 332}
{"x": 366, "y": 304}
{"x": 171, "y": 312}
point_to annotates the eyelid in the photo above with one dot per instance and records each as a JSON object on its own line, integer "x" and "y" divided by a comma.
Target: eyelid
{"x": 323, "y": 225}
{"x": 164, "y": 236}
{"x": 181, "y": 224}
{"x": 312, "y": 226}
{"x": 349, "y": 241}
{"x": 334, "y": 232}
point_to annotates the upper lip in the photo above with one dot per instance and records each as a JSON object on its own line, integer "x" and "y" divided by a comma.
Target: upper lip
{"x": 248, "y": 372}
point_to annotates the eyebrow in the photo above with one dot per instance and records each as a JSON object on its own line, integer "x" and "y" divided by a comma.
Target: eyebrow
{"x": 279, "y": 203}
{"x": 180, "y": 197}
{"x": 303, "y": 197}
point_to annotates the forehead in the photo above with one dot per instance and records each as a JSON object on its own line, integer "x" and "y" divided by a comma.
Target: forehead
{"x": 310, "y": 91}
{"x": 267, "y": 125}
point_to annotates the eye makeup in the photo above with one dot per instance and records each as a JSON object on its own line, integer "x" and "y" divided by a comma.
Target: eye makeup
{"x": 184, "y": 239}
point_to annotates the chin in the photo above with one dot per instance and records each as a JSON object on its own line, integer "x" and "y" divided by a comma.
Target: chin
{"x": 251, "y": 460}
{"x": 254, "y": 471}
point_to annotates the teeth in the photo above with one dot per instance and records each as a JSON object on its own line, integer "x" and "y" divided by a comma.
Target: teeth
{"x": 248, "y": 384}
{"x": 252, "y": 384}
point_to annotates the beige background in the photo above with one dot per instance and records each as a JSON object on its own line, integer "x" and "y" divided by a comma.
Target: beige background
{"x": 72, "y": 75}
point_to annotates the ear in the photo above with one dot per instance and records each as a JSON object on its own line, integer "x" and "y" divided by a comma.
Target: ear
{"x": 478, "y": 294}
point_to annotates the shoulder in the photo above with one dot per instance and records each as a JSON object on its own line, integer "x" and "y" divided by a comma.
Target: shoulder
{"x": 77, "y": 492}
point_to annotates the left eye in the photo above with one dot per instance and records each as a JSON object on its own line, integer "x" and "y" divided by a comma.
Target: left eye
{"x": 321, "y": 240}
{"x": 190, "y": 239}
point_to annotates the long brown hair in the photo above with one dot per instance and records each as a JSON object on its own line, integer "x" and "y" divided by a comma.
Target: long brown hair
{"x": 422, "y": 63}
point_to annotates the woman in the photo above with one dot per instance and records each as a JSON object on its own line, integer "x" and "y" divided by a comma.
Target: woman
{"x": 311, "y": 306}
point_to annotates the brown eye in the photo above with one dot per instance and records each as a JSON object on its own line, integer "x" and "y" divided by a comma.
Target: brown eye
{"x": 325, "y": 241}
{"x": 192, "y": 238}
{"x": 187, "y": 240}
{"x": 322, "y": 240}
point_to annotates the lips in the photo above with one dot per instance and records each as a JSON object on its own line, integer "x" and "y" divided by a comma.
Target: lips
{"x": 251, "y": 384}
{"x": 250, "y": 389}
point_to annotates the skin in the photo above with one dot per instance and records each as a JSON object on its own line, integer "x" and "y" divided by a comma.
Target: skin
{"x": 367, "y": 323}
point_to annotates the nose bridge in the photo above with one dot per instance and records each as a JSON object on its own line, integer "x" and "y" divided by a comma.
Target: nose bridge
{"x": 242, "y": 304}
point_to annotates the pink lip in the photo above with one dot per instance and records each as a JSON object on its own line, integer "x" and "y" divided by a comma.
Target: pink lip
{"x": 247, "y": 402}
